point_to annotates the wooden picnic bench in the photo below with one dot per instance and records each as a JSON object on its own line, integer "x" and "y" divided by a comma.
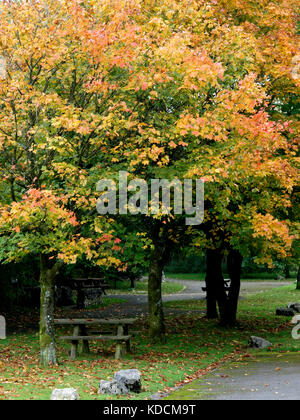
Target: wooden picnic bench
{"x": 80, "y": 284}
{"x": 82, "y": 333}
{"x": 226, "y": 283}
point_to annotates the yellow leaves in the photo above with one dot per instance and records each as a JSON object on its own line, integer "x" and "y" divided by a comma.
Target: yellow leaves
{"x": 72, "y": 122}
{"x": 153, "y": 94}
{"x": 172, "y": 144}
{"x": 207, "y": 126}
{"x": 158, "y": 24}
{"x": 38, "y": 211}
{"x": 201, "y": 70}
{"x": 183, "y": 143}
{"x": 275, "y": 231}
{"x": 155, "y": 152}
{"x": 247, "y": 97}
{"x": 175, "y": 49}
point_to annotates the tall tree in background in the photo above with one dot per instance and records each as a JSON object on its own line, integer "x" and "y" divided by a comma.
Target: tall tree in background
{"x": 195, "y": 104}
{"x": 48, "y": 125}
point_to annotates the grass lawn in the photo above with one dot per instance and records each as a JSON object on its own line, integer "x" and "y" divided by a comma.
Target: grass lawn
{"x": 194, "y": 344}
{"x": 106, "y": 302}
{"x": 142, "y": 287}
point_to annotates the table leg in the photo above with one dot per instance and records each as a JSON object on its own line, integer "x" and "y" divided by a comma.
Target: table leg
{"x": 80, "y": 298}
{"x": 126, "y": 332}
{"x": 120, "y": 346}
{"x": 85, "y": 348}
{"x": 74, "y": 344}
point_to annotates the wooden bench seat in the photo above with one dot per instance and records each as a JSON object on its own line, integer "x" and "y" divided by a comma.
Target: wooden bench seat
{"x": 94, "y": 321}
{"x": 98, "y": 332}
{"x": 95, "y": 337}
{"x": 226, "y": 286}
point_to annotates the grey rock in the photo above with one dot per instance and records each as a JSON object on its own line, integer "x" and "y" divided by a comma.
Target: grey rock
{"x": 112, "y": 387}
{"x": 295, "y": 307}
{"x": 2, "y": 328}
{"x": 130, "y": 378}
{"x": 259, "y": 343}
{"x": 285, "y": 312}
{"x": 65, "y": 394}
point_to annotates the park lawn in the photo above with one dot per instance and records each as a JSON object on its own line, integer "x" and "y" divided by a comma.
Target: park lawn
{"x": 106, "y": 302}
{"x": 168, "y": 287}
{"x": 193, "y": 345}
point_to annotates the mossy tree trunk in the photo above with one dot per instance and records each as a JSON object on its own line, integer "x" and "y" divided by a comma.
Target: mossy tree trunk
{"x": 298, "y": 279}
{"x": 216, "y": 293}
{"x": 5, "y": 291}
{"x": 287, "y": 272}
{"x": 158, "y": 257}
{"x": 48, "y": 274}
{"x": 211, "y": 300}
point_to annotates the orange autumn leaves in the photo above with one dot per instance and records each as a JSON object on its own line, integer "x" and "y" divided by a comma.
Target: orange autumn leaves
{"x": 277, "y": 234}
{"x": 41, "y": 223}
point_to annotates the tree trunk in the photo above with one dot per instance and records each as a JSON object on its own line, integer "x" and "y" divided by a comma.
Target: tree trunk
{"x": 215, "y": 284}
{"x": 234, "y": 265}
{"x": 157, "y": 327}
{"x": 298, "y": 279}
{"x": 132, "y": 281}
{"x": 47, "y": 338}
{"x": 5, "y": 301}
{"x": 287, "y": 273}
{"x": 211, "y": 300}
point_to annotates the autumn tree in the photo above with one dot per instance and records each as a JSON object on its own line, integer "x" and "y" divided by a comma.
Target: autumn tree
{"x": 169, "y": 89}
{"x": 49, "y": 119}
{"x": 174, "y": 105}
{"x": 200, "y": 103}
{"x": 251, "y": 40}
{"x": 41, "y": 225}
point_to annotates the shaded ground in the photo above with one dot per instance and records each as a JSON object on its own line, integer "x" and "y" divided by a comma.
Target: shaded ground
{"x": 267, "y": 377}
{"x": 194, "y": 347}
{"x": 136, "y": 305}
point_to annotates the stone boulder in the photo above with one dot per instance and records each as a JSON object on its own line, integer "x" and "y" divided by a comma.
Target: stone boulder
{"x": 295, "y": 307}
{"x": 65, "y": 394}
{"x": 112, "y": 387}
{"x": 130, "y": 378}
{"x": 259, "y": 343}
{"x": 285, "y": 312}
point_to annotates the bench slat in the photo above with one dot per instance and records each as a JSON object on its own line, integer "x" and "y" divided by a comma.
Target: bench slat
{"x": 94, "y": 321}
{"x": 93, "y": 337}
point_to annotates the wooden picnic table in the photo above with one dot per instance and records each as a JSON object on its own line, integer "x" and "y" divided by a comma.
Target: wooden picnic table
{"x": 81, "y": 333}
{"x": 226, "y": 285}
{"x": 80, "y": 284}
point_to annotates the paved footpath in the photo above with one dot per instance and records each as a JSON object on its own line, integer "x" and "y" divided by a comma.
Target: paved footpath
{"x": 267, "y": 377}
